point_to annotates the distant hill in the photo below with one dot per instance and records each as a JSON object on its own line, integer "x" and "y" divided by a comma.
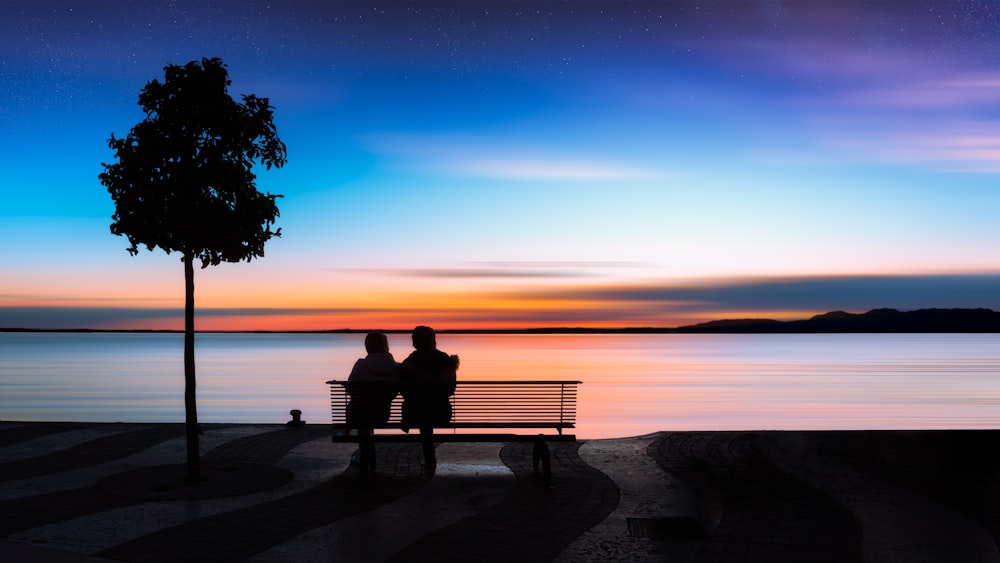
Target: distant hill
{"x": 876, "y": 320}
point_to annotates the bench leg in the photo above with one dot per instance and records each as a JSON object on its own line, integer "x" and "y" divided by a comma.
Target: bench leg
{"x": 367, "y": 451}
{"x": 427, "y": 441}
{"x": 540, "y": 453}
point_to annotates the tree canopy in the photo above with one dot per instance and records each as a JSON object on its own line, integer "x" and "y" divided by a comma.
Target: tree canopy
{"x": 184, "y": 179}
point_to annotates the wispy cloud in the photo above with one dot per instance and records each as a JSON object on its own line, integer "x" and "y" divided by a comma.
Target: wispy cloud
{"x": 961, "y": 92}
{"x": 857, "y": 90}
{"x": 956, "y": 144}
{"x": 516, "y": 159}
{"x": 514, "y": 269}
{"x": 819, "y": 293}
{"x": 530, "y": 168}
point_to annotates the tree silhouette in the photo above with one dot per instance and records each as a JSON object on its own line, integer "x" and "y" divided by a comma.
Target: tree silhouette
{"x": 184, "y": 182}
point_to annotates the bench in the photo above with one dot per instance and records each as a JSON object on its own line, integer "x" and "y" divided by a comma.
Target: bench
{"x": 482, "y": 411}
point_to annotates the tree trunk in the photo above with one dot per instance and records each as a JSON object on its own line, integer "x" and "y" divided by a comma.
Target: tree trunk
{"x": 190, "y": 397}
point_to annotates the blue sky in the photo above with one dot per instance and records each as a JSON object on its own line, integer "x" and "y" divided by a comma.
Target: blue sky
{"x": 522, "y": 164}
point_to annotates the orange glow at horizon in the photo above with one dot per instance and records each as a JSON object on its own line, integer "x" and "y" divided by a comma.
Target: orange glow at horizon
{"x": 405, "y": 319}
{"x": 154, "y": 300}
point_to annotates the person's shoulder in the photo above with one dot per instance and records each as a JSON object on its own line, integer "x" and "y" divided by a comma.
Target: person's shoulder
{"x": 442, "y": 360}
{"x": 357, "y": 370}
{"x": 381, "y": 357}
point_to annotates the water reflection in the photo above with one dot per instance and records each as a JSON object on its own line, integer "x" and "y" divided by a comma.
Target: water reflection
{"x": 633, "y": 384}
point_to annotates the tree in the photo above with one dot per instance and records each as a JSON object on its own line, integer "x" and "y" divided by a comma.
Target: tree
{"x": 184, "y": 182}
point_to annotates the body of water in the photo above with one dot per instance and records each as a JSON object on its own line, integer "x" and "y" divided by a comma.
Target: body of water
{"x": 633, "y": 384}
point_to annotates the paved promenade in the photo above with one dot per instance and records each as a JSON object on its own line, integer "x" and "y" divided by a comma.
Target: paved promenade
{"x": 115, "y": 492}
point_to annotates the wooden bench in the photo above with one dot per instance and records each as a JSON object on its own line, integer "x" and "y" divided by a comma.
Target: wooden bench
{"x": 482, "y": 411}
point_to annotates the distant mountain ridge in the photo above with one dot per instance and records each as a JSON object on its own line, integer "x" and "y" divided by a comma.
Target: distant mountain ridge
{"x": 876, "y": 320}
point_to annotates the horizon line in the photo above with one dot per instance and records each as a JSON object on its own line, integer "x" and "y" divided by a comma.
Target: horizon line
{"x": 523, "y": 330}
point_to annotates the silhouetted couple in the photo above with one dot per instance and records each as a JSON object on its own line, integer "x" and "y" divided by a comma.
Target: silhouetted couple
{"x": 426, "y": 379}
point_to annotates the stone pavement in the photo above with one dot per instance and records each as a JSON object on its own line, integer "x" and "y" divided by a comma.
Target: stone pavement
{"x": 100, "y": 492}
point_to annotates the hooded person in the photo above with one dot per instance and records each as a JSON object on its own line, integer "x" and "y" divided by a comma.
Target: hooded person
{"x": 373, "y": 384}
{"x": 428, "y": 378}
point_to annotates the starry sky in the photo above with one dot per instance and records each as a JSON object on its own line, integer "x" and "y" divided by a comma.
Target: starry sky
{"x": 524, "y": 164}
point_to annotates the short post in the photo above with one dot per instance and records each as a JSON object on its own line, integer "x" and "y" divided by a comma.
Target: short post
{"x": 540, "y": 453}
{"x": 296, "y": 418}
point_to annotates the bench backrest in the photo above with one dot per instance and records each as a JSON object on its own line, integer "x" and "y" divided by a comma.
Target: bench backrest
{"x": 480, "y": 404}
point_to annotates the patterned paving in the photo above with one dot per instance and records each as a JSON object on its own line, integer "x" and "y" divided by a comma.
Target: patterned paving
{"x": 546, "y": 519}
{"x": 823, "y": 496}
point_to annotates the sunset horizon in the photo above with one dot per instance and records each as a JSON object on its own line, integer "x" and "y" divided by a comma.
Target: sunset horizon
{"x": 280, "y": 323}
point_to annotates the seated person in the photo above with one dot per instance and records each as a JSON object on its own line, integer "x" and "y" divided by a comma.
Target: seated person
{"x": 372, "y": 386}
{"x": 428, "y": 378}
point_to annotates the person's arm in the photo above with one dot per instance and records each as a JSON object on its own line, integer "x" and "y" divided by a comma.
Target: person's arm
{"x": 356, "y": 375}
{"x": 450, "y": 374}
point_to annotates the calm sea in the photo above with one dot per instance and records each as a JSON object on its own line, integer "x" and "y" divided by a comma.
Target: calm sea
{"x": 633, "y": 384}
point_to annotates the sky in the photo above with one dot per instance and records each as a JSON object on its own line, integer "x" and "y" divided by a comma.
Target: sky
{"x": 524, "y": 164}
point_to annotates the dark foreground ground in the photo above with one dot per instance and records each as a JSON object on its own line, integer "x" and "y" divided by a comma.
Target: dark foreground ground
{"x": 92, "y": 492}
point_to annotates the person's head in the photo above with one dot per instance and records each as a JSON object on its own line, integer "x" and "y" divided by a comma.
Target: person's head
{"x": 376, "y": 342}
{"x": 423, "y": 338}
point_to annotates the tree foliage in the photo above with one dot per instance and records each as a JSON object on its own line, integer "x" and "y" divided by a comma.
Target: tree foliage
{"x": 184, "y": 179}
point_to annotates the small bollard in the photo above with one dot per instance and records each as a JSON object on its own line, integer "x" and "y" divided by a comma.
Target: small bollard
{"x": 296, "y": 418}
